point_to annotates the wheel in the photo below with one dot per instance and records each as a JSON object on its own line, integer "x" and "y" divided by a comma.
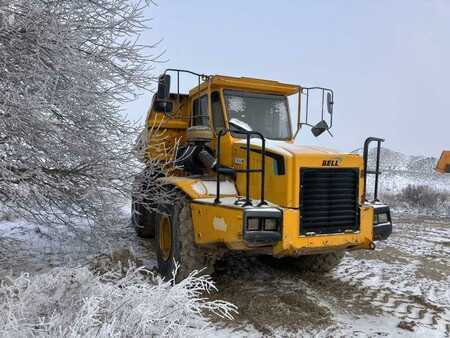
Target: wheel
{"x": 142, "y": 219}
{"x": 176, "y": 243}
{"x": 320, "y": 262}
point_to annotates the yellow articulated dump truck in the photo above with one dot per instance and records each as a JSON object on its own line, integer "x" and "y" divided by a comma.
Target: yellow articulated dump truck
{"x": 244, "y": 184}
{"x": 443, "y": 165}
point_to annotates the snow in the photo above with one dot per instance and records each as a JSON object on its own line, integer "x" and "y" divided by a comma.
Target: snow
{"x": 210, "y": 188}
{"x": 29, "y": 247}
{"x": 394, "y": 288}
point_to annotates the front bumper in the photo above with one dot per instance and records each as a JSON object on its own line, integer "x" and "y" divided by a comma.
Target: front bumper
{"x": 228, "y": 224}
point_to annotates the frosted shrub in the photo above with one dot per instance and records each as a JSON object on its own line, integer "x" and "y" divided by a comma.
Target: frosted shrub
{"x": 77, "y": 303}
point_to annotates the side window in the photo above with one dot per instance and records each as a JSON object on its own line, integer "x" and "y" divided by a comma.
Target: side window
{"x": 200, "y": 111}
{"x": 217, "y": 112}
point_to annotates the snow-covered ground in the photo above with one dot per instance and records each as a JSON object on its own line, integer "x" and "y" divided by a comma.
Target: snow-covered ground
{"x": 25, "y": 246}
{"x": 400, "y": 289}
{"x": 83, "y": 286}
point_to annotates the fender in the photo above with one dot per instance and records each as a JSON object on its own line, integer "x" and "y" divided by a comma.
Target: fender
{"x": 201, "y": 188}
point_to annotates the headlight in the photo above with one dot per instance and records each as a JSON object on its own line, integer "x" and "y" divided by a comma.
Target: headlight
{"x": 381, "y": 215}
{"x": 253, "y": 224}
{"x": 260, "y": 223}
{"x": 383, "y": 218}
{"x": 270, "y": 224}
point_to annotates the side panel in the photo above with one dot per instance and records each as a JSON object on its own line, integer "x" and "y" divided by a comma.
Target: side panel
{"x": 278, "y": 179}
{"x": 163, "y": 131}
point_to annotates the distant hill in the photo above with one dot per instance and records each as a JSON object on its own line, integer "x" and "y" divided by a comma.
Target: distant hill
{"x": 393, "y": 160}
{"x": 400, "y": 170}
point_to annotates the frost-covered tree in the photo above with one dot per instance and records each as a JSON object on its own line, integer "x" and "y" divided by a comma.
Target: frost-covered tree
{"x": 66, "y": 68}
{"x": 75, "y": 302}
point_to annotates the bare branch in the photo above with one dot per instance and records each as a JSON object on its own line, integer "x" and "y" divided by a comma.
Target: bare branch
{"x": 66, "y": 67}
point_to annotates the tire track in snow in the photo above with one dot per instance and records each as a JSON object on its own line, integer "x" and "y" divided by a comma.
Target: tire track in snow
{"x": 393, "y": 289}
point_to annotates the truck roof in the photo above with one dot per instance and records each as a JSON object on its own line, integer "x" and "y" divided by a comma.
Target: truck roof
{"x": 248, "y": 83}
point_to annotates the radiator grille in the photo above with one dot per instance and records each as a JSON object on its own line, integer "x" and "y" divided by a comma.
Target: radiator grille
{"x": 328, "y": 200}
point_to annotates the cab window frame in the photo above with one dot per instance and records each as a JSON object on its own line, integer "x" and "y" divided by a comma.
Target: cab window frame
{"x": 290, "y": 136}
{"x": 204, "y": 116}
{"x": 221, "y": 106}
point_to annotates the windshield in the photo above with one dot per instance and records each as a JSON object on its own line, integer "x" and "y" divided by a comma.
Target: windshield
{"x": 267, "y": 114}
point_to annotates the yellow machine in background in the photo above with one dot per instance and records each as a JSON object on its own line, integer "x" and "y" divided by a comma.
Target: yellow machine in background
{"x": 443, "y": 165}
{"x": 244, "y": 185}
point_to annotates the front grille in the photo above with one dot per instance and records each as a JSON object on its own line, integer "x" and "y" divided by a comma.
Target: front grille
{"x": 328, "y": 200}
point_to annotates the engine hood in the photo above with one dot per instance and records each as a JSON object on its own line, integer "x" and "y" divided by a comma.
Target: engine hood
{"x": 291, "y": 150}
{"x": 283, "y": 164}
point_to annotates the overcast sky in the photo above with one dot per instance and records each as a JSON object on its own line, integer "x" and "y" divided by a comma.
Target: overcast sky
{"x": 387, "y": 61}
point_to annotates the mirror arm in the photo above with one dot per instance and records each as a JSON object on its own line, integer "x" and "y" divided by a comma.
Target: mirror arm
{"x": 299, "y": 109}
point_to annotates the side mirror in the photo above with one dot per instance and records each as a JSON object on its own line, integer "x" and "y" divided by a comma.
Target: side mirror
{"x": 330, "y": 103}
{"x": 319, "y": 128}
{"x": 163, "y": 87}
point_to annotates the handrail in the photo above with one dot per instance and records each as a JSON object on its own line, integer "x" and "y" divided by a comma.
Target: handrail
{"x": 377, "y": 165}
{"x": 200, "y": 77}
{"x": 247, "y": 170}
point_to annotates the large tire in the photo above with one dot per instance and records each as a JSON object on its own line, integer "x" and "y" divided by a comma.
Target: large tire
{"x": 321, "y": 262}
{"x": 142, "y": 220}
{"x": 182, "y": 249}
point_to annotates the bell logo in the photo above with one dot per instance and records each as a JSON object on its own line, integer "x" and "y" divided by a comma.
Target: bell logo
{"x": 330, "y": 163}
